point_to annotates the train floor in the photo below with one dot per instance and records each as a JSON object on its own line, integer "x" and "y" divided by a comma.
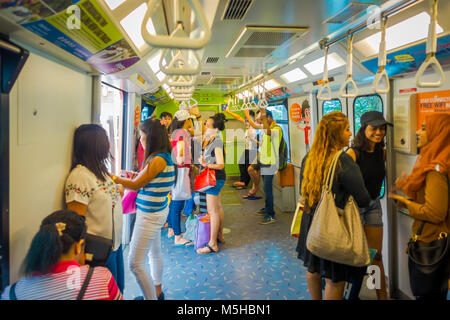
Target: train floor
{"x": 256, "y": 262}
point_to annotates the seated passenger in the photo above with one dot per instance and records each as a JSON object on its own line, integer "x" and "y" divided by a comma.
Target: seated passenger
{"x": 331, "y": 135}
{"x": 54, "y": 265}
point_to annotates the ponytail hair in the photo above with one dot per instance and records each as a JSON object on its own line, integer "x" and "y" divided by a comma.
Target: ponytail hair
{"x": 57, "y": 234}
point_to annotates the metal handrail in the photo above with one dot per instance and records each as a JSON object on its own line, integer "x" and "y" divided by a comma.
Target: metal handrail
{"x": 431, "y": 52}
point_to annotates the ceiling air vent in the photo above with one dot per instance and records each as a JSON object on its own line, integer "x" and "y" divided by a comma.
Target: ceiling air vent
{"x": 205, "y": 73}
{"x": 260, "y": 41}
{"x": 236, "y": 9}
{"x": 212, "y": 59}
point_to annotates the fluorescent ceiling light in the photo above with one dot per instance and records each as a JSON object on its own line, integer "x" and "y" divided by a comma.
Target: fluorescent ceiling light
{"x": 240, "y": 96}
{"x": 408, "y": 31}
{"x": 271, "y": 84}
{"x": 316, "y": 67}
{"x": 112, "y": 4}
{"x": 258, "y": 89}
{"x": 160, "y": 76}
{"x": 166, "y": 87}
{"x": 132, "y": 25}
{"x": 294, "y": 75}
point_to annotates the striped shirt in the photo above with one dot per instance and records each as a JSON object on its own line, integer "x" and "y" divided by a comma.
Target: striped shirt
{"x": 202, "y": 205}
{"x": 64, "y": 282}
{"x": 153, "y": 197}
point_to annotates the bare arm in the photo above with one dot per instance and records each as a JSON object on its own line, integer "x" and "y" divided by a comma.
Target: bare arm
{"x": 352, "y": 153}
{"x": 251, "y": 122}
{"x": 145, "y": 176}
{"x": 234, "y": 115}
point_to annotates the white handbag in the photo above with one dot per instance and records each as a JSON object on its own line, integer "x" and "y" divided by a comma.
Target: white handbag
{"x": 182, "y": 187}
{"x": 335, "y": 234}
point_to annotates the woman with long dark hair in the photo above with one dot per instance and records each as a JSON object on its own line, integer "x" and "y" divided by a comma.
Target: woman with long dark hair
{"x": 427, "y": 189}
{"x": 91, "y": 192}
{"x": 331, "y": 136}
{"x": 54, "y": 265}
{"x": 368, "y": 152}
{"x": 154, "y": 183}
{"x": 181, "y": 147}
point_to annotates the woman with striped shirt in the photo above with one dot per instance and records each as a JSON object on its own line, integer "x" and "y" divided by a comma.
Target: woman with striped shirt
{"x": 154, "y": 183}
{"x": 54, "y": 265}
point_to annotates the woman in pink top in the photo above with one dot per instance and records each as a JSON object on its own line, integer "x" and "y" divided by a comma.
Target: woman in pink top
{"x": 54, "y": 265}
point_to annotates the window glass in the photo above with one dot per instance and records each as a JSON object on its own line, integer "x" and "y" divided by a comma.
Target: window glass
{"x": 280, "y": 115}
{"x": 331, "y": 105}
{"x": 363, "y": 104}
{"x": 111, "y": 115}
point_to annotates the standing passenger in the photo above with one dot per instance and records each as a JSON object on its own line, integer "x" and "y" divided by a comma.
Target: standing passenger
{"x": 90, "y": 192}
{"x": 428, "y": 190}
{"x": 154, "y": 183}
{"x": 181, "y": 145}
{"x": 331, "y": 135}
{"x": 166, "y": 119}
{"x": 370, "y": 155}
{"x": 213, "y": 158}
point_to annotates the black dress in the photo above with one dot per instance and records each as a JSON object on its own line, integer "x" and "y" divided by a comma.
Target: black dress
{"x": 348, "y": 181}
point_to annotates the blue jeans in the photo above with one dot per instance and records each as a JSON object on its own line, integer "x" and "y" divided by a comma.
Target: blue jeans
{"x": 174, "y": 217}
{"x": 268, "y": 191}
{"x": 190, "y": 205}
{"x": 116, "y": 267}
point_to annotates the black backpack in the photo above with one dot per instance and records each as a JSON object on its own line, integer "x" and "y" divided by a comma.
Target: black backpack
{"x": 282, "y": 153}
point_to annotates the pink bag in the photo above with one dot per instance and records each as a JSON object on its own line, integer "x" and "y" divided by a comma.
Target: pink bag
{"x": 129, "y": 202}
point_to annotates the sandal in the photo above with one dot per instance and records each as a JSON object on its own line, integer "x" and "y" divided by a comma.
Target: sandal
{"x": 211, "y": 250}
{"x": 188, "y": 243}
{"x": 249, "y": 195}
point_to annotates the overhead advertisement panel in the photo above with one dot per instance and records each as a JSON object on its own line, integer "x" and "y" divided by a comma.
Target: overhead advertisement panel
{"x": 95, "y": 39}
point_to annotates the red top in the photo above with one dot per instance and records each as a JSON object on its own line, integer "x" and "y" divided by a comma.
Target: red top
{"x": 64, "y": 282}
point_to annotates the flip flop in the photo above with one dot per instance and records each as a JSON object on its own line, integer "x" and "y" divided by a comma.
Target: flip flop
{"x": 254, "y": 198}
{"x": 186, "y": 244}
{"x": 211, "y": 250}
{"x": 249, "y": 195}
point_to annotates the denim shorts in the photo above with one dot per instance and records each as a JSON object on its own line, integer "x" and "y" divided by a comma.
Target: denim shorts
{"x": 216, "y": 190}
{"x": 371, "y": 215}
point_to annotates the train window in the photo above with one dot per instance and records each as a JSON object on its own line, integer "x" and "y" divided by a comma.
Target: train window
{"x": 111, "y": 115}
{"x": 331, "y": 105}
{"x": 363, "y": 104}
{"x": 281, "y": 116}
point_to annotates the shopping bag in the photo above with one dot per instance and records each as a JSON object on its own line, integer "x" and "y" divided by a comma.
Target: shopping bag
{"x": 129, "y": 202}
{"x": 182, "y": 187}
{"x": 296, "y": 222}
{"x": 205, "y": 180}
{"x": 191, "y": 227}
{"x": 203, "y": 230}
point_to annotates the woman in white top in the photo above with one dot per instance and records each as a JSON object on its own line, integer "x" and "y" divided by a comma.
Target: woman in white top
{"x": 251, "y": 148}
{"x": 90, "y": 192}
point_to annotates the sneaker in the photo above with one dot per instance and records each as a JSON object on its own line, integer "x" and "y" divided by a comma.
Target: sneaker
{"x": 261, "y": 212}
{"x": 268, "y": 219}
{"x": 161, "y": 296}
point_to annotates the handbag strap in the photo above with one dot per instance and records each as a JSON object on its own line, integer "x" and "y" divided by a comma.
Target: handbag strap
{"x": 332, "y": 170}
{"x": 12, "y": 292}
{"x": 85, "y": 283}
{"x": 419, "y": 231}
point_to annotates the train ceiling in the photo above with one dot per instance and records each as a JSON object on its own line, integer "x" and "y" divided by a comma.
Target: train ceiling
{"x": 249, "y": 38}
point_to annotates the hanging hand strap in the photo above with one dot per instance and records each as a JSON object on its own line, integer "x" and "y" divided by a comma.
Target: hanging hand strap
{"x": 431, "y": 52}
{"x": 349, "y": 72}
{"x": 325, "y": 80}
{"x": 381, "y": 73}
{"x": 178, "y": 39}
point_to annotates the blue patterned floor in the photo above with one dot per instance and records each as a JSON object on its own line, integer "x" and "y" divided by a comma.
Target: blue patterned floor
{"x": 257, "y": 262}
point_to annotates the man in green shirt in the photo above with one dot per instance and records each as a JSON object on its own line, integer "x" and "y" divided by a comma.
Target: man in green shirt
{"x": 269, "y": 158}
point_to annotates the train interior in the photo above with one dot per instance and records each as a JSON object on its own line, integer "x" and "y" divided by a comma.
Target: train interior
{"x": 113, "y": 62}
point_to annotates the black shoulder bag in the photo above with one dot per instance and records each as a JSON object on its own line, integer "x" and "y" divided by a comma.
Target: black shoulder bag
{"x": 98, "y": 248}
{"x": 429, "y": 263}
